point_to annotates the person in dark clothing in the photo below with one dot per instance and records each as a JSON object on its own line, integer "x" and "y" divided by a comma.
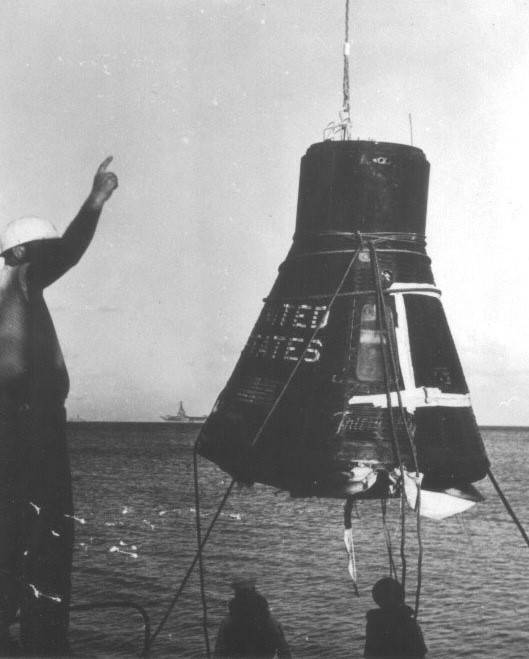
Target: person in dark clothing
{"x": 392, "y": 630}
{"x": 249, "y": 630}
{"x": 36, "y": 525}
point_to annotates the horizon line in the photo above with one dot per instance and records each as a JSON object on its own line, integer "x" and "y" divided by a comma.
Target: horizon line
{"x": 485, "y": 426}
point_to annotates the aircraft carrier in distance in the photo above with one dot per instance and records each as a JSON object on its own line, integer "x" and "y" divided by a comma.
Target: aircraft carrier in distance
{"x": 181, "y": 417}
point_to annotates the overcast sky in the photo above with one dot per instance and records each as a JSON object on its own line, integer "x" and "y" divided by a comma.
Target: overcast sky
{"x": 207, "y": 107}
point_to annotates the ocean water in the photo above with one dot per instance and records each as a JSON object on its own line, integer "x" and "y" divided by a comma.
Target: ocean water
{"x": 133, "y": 487}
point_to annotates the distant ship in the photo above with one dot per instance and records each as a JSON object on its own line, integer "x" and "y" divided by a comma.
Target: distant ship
{"x": 181, "y": 416}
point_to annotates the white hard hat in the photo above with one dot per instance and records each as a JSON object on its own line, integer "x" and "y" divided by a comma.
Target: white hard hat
{"x": 25, "y": 230}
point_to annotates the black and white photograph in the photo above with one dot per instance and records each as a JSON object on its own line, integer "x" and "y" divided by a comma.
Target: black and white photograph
{"x": 264, "y": 344}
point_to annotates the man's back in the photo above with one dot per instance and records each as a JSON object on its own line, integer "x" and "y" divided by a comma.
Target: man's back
{"x": 261, "y": 639}
{"x": 249, "y": 630}
{"x": 393, "y": 632}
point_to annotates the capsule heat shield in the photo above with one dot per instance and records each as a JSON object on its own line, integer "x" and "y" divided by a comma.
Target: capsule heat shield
{"x": 351, "y": 362}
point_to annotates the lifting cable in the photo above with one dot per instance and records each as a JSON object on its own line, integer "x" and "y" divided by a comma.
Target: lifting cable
{"x": 199, "y": 551}
{"x": 384, "y": 332}
{"x": 386, "y": 326}
{"x": 508, "y": 506}
{"x": 184, "y": 581}
{"x": 411, "y": 441}
{"x": 201, "y": 541}
{"x": 387, "y": 536}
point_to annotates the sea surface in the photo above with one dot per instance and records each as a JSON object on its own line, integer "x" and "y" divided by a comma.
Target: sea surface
{"x": 135, "y": 539}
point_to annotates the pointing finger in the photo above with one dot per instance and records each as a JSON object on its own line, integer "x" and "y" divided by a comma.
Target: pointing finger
{"x": 106, "y": 162}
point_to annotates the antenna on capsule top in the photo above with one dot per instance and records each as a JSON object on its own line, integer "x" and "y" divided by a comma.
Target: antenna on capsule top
{"x": 341, "y": 129}
{"x": 410, "y": 120}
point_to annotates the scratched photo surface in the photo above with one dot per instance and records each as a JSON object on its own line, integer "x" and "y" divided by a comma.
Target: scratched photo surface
{"x": 207, "y": 107}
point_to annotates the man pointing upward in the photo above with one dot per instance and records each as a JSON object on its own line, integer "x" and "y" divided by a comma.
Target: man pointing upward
{"x": 36, "y": 526}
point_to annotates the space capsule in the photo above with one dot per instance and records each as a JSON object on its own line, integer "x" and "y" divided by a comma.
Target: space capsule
{"x": 350, "y": 384}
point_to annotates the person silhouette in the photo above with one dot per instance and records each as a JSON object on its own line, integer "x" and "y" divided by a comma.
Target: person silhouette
{"x": 36, "y": 507}
{"x": 392, "y": 630}
{"x": 249, "y": 629}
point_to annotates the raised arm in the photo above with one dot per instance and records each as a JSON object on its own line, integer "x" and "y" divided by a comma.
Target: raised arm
{"x": 52, "y": 258}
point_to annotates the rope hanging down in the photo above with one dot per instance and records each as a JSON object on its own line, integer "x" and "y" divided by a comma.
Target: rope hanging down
{"x": 392, "y": 380}
{"x": 199, "y": 552}
{"x": 189, "y": 572}
{"x": 387, "y": 537}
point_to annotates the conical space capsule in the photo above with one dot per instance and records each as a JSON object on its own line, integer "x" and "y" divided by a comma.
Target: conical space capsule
{"x": 350, "y": 382}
